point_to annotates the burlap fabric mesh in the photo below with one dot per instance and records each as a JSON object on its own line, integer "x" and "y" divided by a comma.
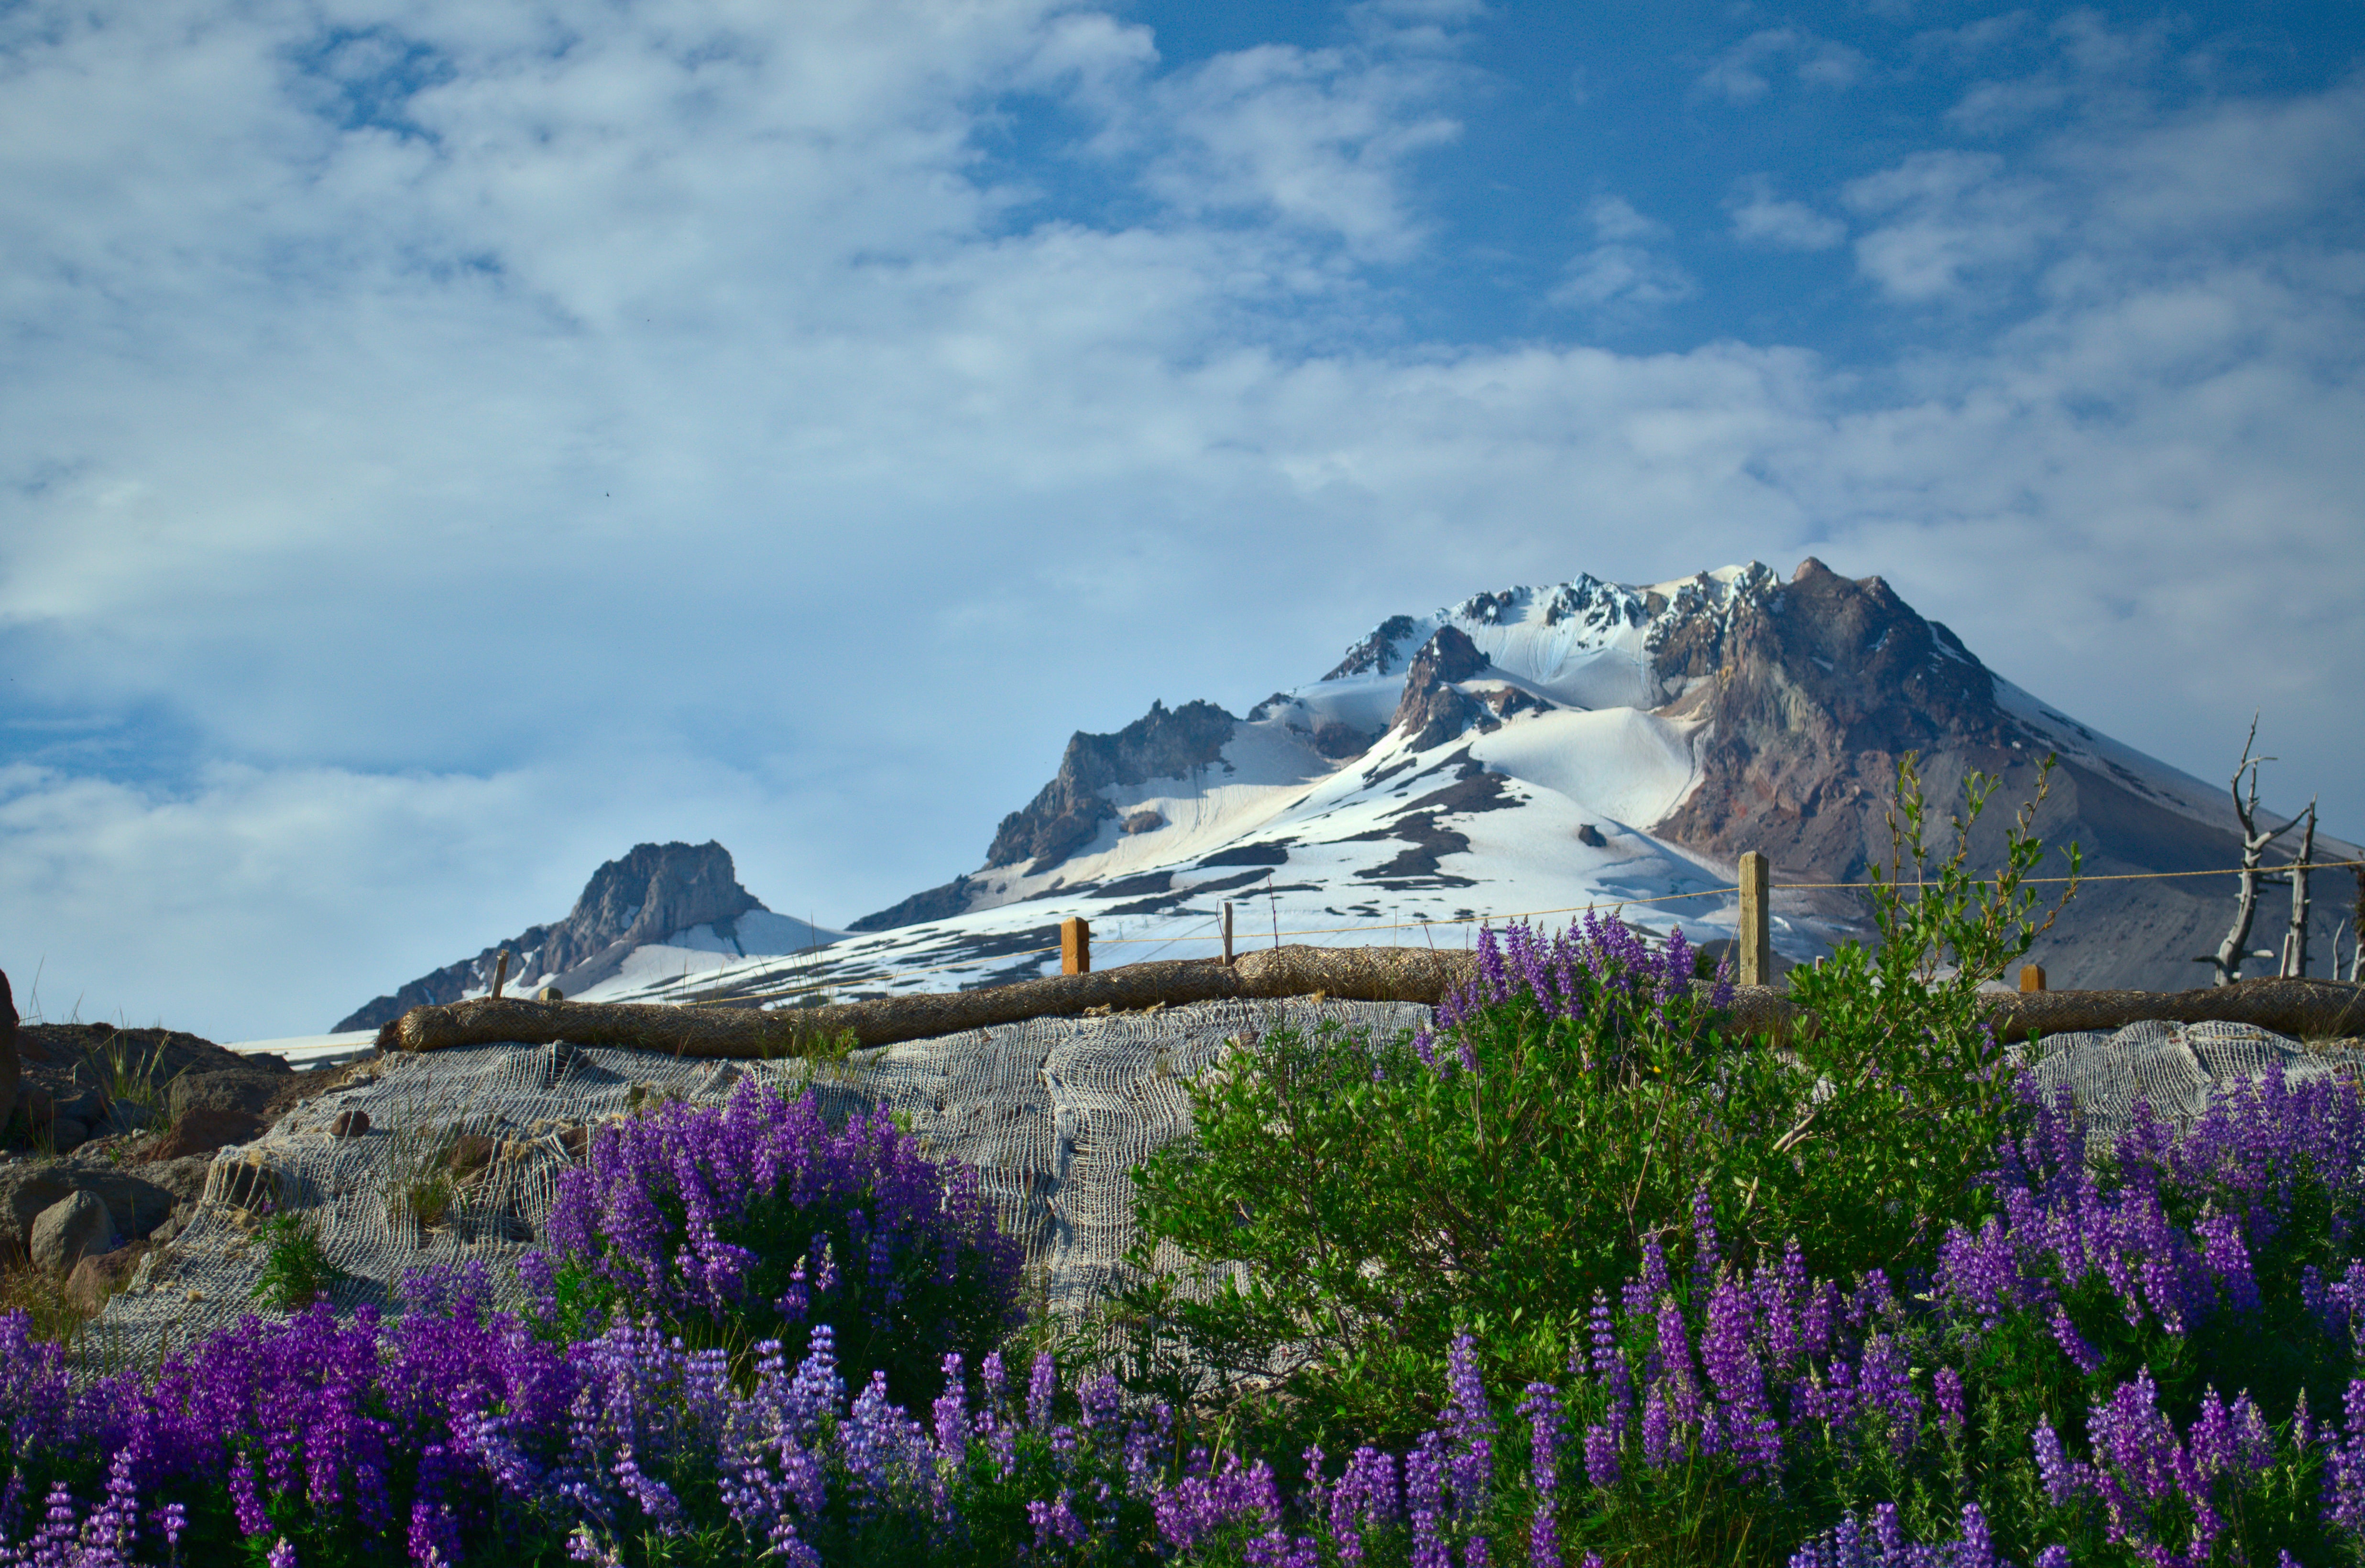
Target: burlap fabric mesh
{"x": 2177, "y": 1067}
{"x": 1054, "y": 1113}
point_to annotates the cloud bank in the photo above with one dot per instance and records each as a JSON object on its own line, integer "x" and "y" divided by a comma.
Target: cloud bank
{"x": 444, "y": 445}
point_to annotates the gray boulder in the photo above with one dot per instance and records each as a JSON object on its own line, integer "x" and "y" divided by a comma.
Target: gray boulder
{"x": 26, "y": 1189}
{"x": 71, "y": 1229}
{"x": 229, "y": 1091}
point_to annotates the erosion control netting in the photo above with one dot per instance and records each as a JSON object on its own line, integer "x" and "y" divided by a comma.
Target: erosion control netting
{"x": 2176, "y": 1066}
{"x": 1054, "y": 1113}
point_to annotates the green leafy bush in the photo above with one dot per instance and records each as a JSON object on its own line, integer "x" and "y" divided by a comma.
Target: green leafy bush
{"x": 1349, "y": 1205}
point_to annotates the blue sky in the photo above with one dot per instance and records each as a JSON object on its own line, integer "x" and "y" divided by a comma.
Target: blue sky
{"x": 444, "y": 444}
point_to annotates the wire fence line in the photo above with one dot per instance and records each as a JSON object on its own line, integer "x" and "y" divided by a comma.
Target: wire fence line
{"x": 1159, "y": 943}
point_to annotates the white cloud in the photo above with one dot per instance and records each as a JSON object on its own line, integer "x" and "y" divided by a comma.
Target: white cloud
{"x": 1621, "y": 271}
{"x": 1310, "y": 137}
{"x": 1760, "y": 218}
{"x": 1944, "y": 220}
{"x": 1614, "y": 218}
{"x": 699, "y": 430}
{"x": 1743, "y": 73}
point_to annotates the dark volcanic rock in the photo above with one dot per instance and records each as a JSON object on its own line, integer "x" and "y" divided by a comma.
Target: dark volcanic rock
{"x": 204, "y": 1130}
{"x": 1378, "y": 653}
{"x": 26, "y": 1189}
{"x": 251, "y": 1092}
{"x": 647, "y": 896}
{"x": 1815, "y": 693}
{"x": 936, "y": 903}
{"x": 1815, "y": 689}
{"x": 1068, "y": 813}
{"x": 1432, "y": 710}
{"x": 11, "y": 1074}
{"x": 1338, "y": 742}
{"x": 1249, "y": 854}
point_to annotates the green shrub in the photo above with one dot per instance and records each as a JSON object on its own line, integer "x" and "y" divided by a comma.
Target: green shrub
{"x": 296, "y": 1269}
{"x": 1349, "y": 1204}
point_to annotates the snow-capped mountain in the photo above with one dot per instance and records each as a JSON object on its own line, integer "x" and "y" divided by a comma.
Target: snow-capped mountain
{"x": 1530, "y": 752}
{"x": 662, "y": 914}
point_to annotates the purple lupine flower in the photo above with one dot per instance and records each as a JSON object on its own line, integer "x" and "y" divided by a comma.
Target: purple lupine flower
{"x": 1738, "y": 1380}
{"x": 282, "y": 1555}
{"x": 883, "y": 1449}
{"x": 1056, "y": 1521}
{"x": 1200, "y": 1503}
{"x": 654, "y": 1218}
{"x": 2139, "y": 1465}
{"x": 1601, "y": 1444}
{"x": 2073, "y": 1344}
{"x": 1425, "y": 1501}
{"x": 1704, "y": 1259}
{"x": 1276, "y": 1548}
{"x": 1946, "y": 1384}
{"x": 951, "y": 1412}
{"x": 1608, "y": 1365}
{"x": 1541, "y": 1408}
{"x": 2344, "y": 1480}
{"x": 1364, "y": 1499}
{"x": 1490, "y": 966}
{"x": 1042, "y": 1387}
{"x": 1470, "y": 1423}
{"x": 1674, "y": 1359}
{"x": 1887, "y": 1385}
{"x": 1658, "y": 1439}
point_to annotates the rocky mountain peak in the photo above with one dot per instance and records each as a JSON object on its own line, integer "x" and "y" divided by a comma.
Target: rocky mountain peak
{"x": 1813, "y": 692}
{"x": 649, "y": 894}
{"x": 1066, "y": 814}
{"x": 1432, "y": 710}
{"x": 1380, "y": 652}
{"x": 646, "y": 896}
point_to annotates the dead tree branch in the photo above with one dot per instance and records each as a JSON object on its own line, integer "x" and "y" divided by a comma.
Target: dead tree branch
{"x": 2226, "y": 962}
{"x": 2294, "y": 964}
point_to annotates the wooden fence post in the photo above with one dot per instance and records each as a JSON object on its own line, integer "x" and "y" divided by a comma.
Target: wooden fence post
{"x": 501, "y": 972}
{"x": 2031, "y": 977}
{"x": 1227, "y": 934}
{"x": 1755, "y": 938}
{"x": 1075, "y": 946}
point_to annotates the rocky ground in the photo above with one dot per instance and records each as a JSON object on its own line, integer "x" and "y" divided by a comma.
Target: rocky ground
{"x": 107, "y": 1139}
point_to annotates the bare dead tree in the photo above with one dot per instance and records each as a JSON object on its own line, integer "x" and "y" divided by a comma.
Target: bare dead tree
{"x": 2226, "y": 962}
{"x": 2357, "y": 949}
{"x": 2294, "y": 964}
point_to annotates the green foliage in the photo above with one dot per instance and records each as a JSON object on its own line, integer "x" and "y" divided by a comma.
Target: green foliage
{"x": 1911, "y": 1089}
{"x": 127, "y": 1079}
{"x": 1348, "y": 1205}
{"x": 296, "y": 1269}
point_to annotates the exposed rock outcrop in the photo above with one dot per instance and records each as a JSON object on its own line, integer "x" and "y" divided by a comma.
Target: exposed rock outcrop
{"x": 650, "y": 895}
{"x": 1433, "y": 709}
{"x": 936, "y": 903}
{"x": 1067, "y": 814}
{"x": 1380, "y": 653}
{"x": 11, "y": 1072}
{"x": 1814, "y": 691}
{"x": 63, "y": 1065}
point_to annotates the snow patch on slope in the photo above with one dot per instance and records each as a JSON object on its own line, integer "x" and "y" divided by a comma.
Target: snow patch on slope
{"x": 1626, "y": 765}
